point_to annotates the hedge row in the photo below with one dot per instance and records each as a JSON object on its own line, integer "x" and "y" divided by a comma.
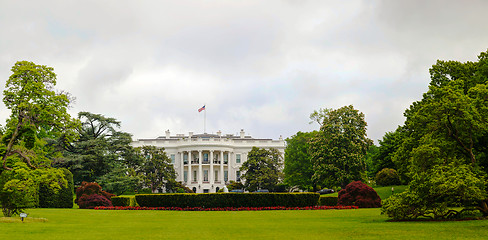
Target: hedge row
{"x": 328, "y": 201}
{"x": 124, "y": 201}
{"x": 222, "y": 200}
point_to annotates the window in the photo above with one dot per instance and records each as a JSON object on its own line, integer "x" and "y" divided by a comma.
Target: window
{"x": 238, "y": 176}
{"x": 226, "y": 175}
{"x": 216, "y": 175}
{"x": 185, "y": 158}
{"x": 226, "y": 158}
{"x": 173, "y": 157}
{"x": 205, "y": 157}
{"x": 238, "y": 158}
{"x": 185, "y": 176}
{"x": 205, "y": 175}
{"x": 194, "y": 176}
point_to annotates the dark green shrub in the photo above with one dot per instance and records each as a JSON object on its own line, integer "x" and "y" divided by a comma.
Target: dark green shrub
{"x": 62, "y": 199}
{"x": 124, "y": 201}
{"x": 235, "y": 185}
{"x": 328, "y": 201}
{"x": 215, "y": 200}
{"x": 387, "y": 177}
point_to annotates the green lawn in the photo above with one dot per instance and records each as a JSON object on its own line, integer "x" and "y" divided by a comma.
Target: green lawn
{"x": 383, "y": 192}
{"x": 318, "y": 224}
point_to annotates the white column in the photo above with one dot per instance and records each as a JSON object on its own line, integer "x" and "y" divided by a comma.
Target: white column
{"x": 182, "y": 170}
{"x": 211, "y": 173}
{"x": 228, "y": 166}
{"x": 200, "y": 177}
{"x": 221, "y": 166}
{"x": 189, "y": 168}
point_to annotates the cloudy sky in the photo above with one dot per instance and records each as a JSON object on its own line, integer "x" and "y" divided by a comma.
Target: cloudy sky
{"x": 261, "y": 66}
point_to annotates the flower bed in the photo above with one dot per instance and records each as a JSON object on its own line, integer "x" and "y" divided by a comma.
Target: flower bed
{"x": 227, "y": 208}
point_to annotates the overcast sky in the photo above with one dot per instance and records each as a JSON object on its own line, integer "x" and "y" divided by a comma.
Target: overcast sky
{"x": 261, "y": 66}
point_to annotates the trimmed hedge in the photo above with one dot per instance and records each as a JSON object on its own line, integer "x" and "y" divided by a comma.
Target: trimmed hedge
{"x": 124, "y": 201}
{"x": 328, "y": 201}
{"x": 220, "y": 200}
{"x": 62, "y": 199}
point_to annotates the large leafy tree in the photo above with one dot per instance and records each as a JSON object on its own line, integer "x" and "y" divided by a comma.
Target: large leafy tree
{"x": 262, "y": 170}
{"x": 339, "y": 148}
{"x": 298, "y": 162}
{"x": 447, "y": 130}
{"x": 156, "y": 169}
{"x": 100, "y": 149}
{"x": 38, "y": 114}
{"x": 36, "y": 109}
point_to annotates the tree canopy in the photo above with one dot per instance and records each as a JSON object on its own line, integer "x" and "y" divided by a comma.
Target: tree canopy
{"x": 339, "y": 148}
{"x": 298, "y": 162}
{"x": 38, "y": 115}
{"x": 444, "y": 139}
{"x": 262, "y": 170}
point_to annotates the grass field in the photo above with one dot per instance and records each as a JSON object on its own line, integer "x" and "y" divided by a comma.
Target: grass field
{"x": 306, "y": 224}
{"x": 383, "y": 192}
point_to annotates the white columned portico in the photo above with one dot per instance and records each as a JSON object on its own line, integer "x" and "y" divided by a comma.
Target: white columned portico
{"x": 200, "y": 167}
{"x": 228, "y": 165}
{"x": 189, "y": 168}
{"x": 211, "y": 173}
{"x": 221, "y": 178}
{"x": 182, "y": 170}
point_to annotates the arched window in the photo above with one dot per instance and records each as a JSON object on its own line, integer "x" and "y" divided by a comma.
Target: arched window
{"x": 217, "y": 189}
{"x": 194, "y": 189}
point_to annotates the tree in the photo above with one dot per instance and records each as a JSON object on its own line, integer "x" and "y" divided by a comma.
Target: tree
{"x": 339, "y": 148}
{"x": 99, "y": 150}
{"x": 445, "y": 139}
{"x": 432, "y": 193}
{"x": 298, "y": 169}
{"x": 387, "y": 147}
{"x": 35, "y": 108}
{"x": 156, "y": 169}
{"x": 262, "y": 170}
{"x": 38, "y": 114}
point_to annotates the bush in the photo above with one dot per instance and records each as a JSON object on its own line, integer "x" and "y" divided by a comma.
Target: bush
{"x": 387, "y": 177}
{"x": 92, "y": 201}
{"x": 328, "y": 201}
{"x": 90, "y": 195}
{"x": 124, "y": 201}
{"x": 359, "y": 194}
{"x": 215, "y": 200}
{"x": 235, "y": 185}
{"x": 18, "y": 189}
{"x": 63, "y": 198}
{"x": 430, "y": 194}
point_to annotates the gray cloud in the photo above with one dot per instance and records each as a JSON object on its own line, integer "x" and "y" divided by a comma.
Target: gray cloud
{"x": 259, "y": 65}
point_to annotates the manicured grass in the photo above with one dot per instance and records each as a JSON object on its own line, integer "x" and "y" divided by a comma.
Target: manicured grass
{"x": 385, "y": 192}
{"x": 306, "y": 224}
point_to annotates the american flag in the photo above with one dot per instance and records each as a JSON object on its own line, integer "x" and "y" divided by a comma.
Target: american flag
{"x": 201, "y": 109}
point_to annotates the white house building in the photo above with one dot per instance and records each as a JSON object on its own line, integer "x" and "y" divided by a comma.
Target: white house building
{"x": 207, "y": 162}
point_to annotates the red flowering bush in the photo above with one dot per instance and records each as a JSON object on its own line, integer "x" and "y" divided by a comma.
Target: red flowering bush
{"x": 90, "y": 195}
{"x": 359, "y": 194}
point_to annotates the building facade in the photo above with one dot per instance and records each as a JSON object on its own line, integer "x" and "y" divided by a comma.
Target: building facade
{"x": 207, "y": 162}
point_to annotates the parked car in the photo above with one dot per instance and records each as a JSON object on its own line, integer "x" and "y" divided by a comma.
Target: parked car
{"x": 237, "y": 190}
{"x": 262, "y": 190}
{"x": 325, "y": 191}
